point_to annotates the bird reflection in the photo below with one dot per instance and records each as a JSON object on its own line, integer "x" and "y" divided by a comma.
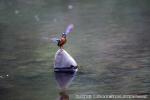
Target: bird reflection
{"x": 64, "y": 80}
{"x": 63, "y": 95}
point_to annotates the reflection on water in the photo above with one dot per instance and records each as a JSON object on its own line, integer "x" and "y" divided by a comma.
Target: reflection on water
{"x": 64, "y": 95}
{"x": 64, "y": 80}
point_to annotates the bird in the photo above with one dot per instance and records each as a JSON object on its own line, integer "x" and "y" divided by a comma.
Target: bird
{"x": 63, "y": 39}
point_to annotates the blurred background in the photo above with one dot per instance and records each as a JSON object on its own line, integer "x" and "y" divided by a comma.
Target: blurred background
{"x": 110, "y": 42}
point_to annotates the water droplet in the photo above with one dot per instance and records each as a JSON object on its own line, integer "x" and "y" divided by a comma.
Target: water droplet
{"x": 37, "y": 18}
{"x": 1, "y": 76}
{"x": 70, "y": 6}
{"x": 16, "y": 11}
{"x": 55, "y": 20}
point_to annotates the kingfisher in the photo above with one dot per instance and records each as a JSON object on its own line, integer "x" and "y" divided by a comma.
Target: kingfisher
{"x": 64, "y": 61}
{"x": 63, "y": 39}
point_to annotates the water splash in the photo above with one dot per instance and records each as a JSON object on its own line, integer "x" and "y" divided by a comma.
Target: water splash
{"x": 4, "y": 76}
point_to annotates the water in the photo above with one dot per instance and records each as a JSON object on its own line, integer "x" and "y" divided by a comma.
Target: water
{"x": 110, "y": 42}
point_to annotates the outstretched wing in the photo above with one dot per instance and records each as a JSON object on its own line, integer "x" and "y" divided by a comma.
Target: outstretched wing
{"x": 69, "y": 29}
{"x": 55, "y": 40}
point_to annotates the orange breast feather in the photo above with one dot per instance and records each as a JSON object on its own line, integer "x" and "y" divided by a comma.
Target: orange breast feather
{"x": 63, "y": 41}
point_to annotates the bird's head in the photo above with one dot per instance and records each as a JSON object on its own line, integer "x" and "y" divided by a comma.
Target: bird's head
{"x": 64, "y": 35}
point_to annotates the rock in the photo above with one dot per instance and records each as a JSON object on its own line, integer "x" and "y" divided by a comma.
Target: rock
{"x": 64, "y": 61}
